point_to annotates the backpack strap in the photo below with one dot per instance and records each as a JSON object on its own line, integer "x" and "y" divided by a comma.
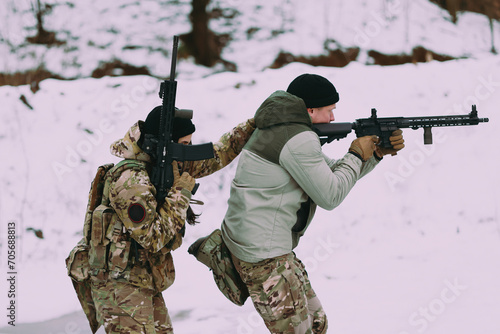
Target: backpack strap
{"x": 95, "y": 198}
{"x": 114, "y": 173}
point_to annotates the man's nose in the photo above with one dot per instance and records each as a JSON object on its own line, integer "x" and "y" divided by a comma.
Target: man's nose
{"x": 332, "y": 117}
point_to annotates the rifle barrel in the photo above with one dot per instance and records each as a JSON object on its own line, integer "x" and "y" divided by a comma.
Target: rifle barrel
{"x": 174, "y": 58}
{"x": 437, "y": 121}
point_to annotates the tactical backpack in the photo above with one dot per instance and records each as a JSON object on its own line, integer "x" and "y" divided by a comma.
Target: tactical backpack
{"x": 212, "y": 252}
{"x": 86, "y": 263}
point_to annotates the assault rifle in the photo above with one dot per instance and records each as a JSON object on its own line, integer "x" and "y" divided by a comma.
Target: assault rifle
{"x": 162, "y": 149}
{"x": 383, "y": 127}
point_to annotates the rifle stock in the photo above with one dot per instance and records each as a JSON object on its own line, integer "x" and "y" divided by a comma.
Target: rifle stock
{"x": 383, "y": 127}
{"x": 328, "y": 132}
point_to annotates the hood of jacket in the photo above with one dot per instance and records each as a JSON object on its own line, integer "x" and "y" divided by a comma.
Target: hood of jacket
{"x": 127, "y": 147}
{"x": 282, "y": 108}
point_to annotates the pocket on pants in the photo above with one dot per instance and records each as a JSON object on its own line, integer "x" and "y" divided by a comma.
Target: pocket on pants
{"x": 280, "y": 297}
{"x": 126, "y": 324}
{"x": 136, "y": 302}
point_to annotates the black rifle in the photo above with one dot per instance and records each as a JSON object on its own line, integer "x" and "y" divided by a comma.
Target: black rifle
{"x": 162, "y": 149}
{"x": 383, "y": 127}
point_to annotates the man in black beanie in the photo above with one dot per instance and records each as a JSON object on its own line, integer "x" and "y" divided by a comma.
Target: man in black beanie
{"x": 282, "y": 176}
{"x": 315, "y": 90}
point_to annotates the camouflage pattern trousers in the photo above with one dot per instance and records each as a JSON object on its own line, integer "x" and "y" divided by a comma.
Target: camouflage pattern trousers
{"x": 123, "y": 308}
{"x": 282, "y": 294}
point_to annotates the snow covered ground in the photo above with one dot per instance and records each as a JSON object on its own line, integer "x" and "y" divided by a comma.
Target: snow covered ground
{"x": 414, "y": 248}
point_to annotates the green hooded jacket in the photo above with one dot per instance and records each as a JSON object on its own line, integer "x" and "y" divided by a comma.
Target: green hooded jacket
{"x": 282, "y": 175}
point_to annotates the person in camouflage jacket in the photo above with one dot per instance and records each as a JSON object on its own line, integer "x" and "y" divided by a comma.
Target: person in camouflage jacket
{"x": 141, "y": 234}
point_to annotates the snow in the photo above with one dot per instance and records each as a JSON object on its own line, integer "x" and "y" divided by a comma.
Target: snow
{"x": 413, "y": 249}
{"x": 140, "y": 33}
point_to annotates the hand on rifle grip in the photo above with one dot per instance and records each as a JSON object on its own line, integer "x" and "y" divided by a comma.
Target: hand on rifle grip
{"x": 397, "y": 143}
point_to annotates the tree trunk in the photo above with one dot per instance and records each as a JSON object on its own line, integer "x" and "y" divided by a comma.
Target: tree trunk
{"x": 201, "y": 42}
{"x": 493, "y": 49}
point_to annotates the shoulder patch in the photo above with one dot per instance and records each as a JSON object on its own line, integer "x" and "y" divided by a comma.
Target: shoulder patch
{"x": 136, "y": 213}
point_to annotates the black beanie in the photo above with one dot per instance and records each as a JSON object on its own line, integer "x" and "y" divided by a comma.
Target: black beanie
{"x": 182, "y": 126}
{"x": 315, "y": 90}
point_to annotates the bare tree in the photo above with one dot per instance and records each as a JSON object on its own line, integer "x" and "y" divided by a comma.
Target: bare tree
{"x": 42, "y": 36}
{"x": 493, "y": 49}
{"x": 490, "y": 8}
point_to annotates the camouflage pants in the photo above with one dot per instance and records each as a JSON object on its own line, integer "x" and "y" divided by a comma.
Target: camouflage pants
{"x": 123, "y": 308}
{"x": 282, "y": 294}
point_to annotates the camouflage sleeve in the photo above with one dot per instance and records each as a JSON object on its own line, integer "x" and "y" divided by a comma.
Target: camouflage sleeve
{"x": 132, "y": 196}
{"x": 225, "y": 150}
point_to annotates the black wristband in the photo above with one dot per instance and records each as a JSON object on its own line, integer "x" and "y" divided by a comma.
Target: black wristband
{"x": 357, "y": 155}
{"x": 377, "y": 157}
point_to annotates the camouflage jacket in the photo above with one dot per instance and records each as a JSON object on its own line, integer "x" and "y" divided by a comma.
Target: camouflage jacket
{"x": 156, "y": 229}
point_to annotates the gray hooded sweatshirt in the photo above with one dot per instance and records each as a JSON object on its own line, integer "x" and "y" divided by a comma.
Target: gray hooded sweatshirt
{"x": 282, "y": 175}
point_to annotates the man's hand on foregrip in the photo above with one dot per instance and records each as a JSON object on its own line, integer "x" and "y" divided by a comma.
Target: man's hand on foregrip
{"x": 363, "y": 147}
{"x": 185, "y": 180}
{"x": 397, "y": 143}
